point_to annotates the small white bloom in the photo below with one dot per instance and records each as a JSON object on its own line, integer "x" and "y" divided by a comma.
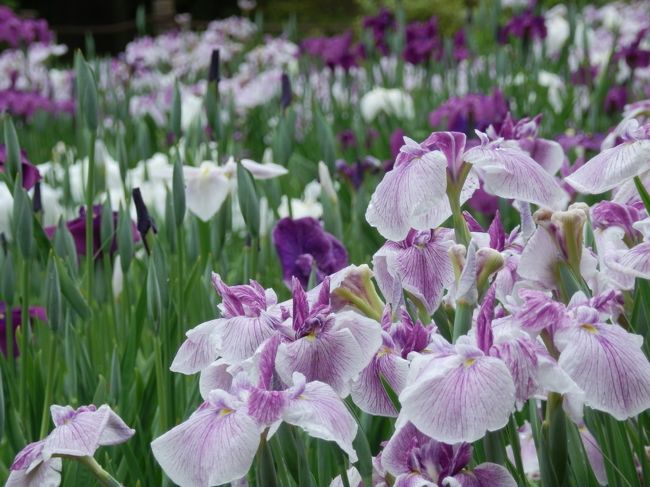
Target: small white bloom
{"x": 393, "y": 102}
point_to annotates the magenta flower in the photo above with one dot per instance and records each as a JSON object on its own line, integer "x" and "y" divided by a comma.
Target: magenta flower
{"x": 473, "y": 111}
{"x": 77, "y": 433}
{"x": 326, "y": 347}
{"x": 415, "y": 459}
{"x": 616, "y": 165}
{"x": 419, "y": 265}
{"x": 303, "y": 246}
{"x": 247, "y": 320}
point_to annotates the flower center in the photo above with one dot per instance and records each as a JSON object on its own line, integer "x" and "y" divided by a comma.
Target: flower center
{"x": 469, "y": 362}
{"x": 590, "y": 328}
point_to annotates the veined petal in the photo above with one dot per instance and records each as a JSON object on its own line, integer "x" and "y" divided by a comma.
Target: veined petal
{"x": 320, "y": 412}
{"x": 510, "y": 173}
{"x": 413, "y": 480}
{"x": 538, "y": 259}
{"x": 268, "y": 170}
{"x": 547, "y": 153}
{"x": 354, "y": 479}
{"x": 213, "y": 447}
{"x": 333, "y": 357}
{"x": 636, "y": 261}
{"x": 29, "y": 469}
{"x": 199, "y": 349}
{"x": 395, "y": 456}
{"x": 594, "y": 454}
{"x": 81, "y": 432}
{"x": 215, "y": 376}
{"x": 484, "y": 475}
{"x": 611, "y": 167}
{"x": 423, "y": 268}
{"x": 453, "y": 400}
{"x": 420, "y": 183}
{"x": 366, "y": 332}
{"x": 609, "y": 366}
{"x": 206, "y": 189}
{"x": 452, "y": 145}
{"x": 368, "y": 391}
{"x": 238, "y": 337}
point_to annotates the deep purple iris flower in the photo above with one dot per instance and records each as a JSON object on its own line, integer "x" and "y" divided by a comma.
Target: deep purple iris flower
{"x": 15, "y": 31}
{"x": 303, "y": 245}
{"x": 77, "y": 228}
{"x": 356, "y": 172}
{"x": 334, "y": 51}
{"x": 16, "y": 319}
{"x": 526, "y": 26}
{"x": 422, "y": 42}
{"x": 470, "y": 112}
{"x": 615, "y": 100}
{"x": 380, "y": 25}
{"x": 31, "y": 175}
{"x": 634, "y": 55}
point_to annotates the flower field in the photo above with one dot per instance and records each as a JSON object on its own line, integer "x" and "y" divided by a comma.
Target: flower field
{"x": 401, "y": 255}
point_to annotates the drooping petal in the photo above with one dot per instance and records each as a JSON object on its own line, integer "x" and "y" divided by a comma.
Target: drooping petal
{"x": 452, "y": 398}
{"x": 547, "y": 153}
{"x": 206, "y": 189}
{"x": 29, "y": 469}
{"x": 320, "y": 412}
{"x": 366, "y": 332}
{"x": 238, "y": 337}
{"x": 594, "y": 454}
{"x": 368, "y": 391}
{"x": 611, "y": 167}
{"x": 537, "y": 262}
{"x": 214, "y": 446}
{"x": 354, "y": 479}
{"x": 199, "y": 349}
{"x": 420, "y": 265}
{"x": 333, "y": 357}
{"x": 268, "y": 170}
{"x": 609, "y": 366}
{"x": 419, "y": 183}
{"x": 510, "y": 173}
{"x": 214, "y": 376}
{"x": 636, "y": 261}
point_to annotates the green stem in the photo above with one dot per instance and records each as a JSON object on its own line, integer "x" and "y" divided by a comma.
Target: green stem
{"x": 462, "y": 319}
{"x": 24, "y": 338}
{"x": 9, "y": 335}
{"x": 105, "y": 479}
{"x": 495, "y": 449}
{"x": 90, "y": 191}
{"x": 554, "y": 443}
{"x": 454, "y": 189}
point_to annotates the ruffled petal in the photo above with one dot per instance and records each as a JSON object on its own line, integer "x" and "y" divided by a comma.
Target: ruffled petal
{"x": 213, "y": 447}
{"x": 419, "y": 183}
{"x": 611, "y": 167}
{"x": 397, "y": 452}
{"x": 537, "y": 262}
{"x": 214, "y": 376}
{"x": 366, "y": 332}
{"x": 198, "y": 351}
{"x": 333, "y": 357}
{"x": 320, "y": 412}
{"x": 453, "y": 399}
{"x": 510, "y": 173}
{"x": 609, "y": 366}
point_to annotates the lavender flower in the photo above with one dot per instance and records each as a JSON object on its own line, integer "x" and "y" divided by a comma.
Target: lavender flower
{"x": 526, "y": 26}
{"x": 77, "y": 433}
{"x": 469, "y": 112}
{"x": 303, "y": 246}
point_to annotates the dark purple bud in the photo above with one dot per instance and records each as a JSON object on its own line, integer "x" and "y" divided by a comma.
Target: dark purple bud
{"x": 37, "y": 201}
{"x": 285, "y": 99}
{"x": 213, "y": 73}
{"x": 145, "y": 222}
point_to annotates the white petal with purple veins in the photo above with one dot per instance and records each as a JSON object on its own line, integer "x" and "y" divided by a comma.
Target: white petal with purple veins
{"x": 453, "y": 398}
{"x": 510, "y": 173}
{"x": 368, "y": 391}
{"x": 538, "y": 259}
{"x": 366, "y": 332}
{"x": 238, "y": 337}
{"x": 322, "y": 414}
{"x": 45, "y": 474}
{"x": 406, "y": 197}
{"x": 333, "y": 357}
{"x": 636, "y": 261}
{"x": 612, "y": 167}
{"x": 609, "y": 366}
{"x": 214, "y": 376}
{"x": 213, "y": 447}
{"x": 198, "y": 351}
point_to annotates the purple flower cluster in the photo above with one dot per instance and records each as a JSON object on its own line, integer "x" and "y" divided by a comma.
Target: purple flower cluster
{"x": 27, "y": 103}
{"x": 526, "y": 26}
{"x": 470, "y": 112}
{"x": 336, "y": 51}
{"x": 380, "y": 25}
{"x": 423, "y": 42}
{"x": 15, "y": 31}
